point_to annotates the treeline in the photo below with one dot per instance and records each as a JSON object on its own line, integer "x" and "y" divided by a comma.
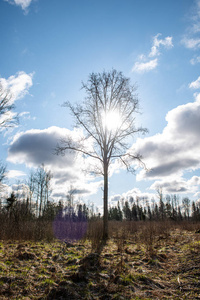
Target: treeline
{"x": 168, "y": 207}
{"x": 19, "y": 219}
{"x": 32, "y": 200}
{"x": 29, "y": 211}
{"x": 21, "y": 210}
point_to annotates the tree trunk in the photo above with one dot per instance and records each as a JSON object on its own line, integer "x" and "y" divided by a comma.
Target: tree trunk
{"x": 105, "y": 202}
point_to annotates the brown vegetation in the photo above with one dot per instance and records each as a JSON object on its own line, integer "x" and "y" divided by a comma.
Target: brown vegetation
{"x": 141, "y": 260}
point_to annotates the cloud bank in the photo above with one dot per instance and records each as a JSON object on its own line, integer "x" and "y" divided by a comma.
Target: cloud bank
{"x": 174, "y": 152}
{"x": 36, "y": 147}
{"x": 176, "y": 149}
{"x": 178, "y": 185}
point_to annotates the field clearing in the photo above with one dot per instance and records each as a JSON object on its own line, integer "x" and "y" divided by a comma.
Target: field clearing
{"x": 141, "y": 265}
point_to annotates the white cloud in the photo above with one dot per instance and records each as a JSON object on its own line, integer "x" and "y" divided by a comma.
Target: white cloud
{"x": 23, "y": 3}
{"x": 5, "y": 191}
{"x": 195, "y": 60}
{"x": 191, "y": 38}
{"x": 18, "y": 85}
{"x": 191, "y": 43}
{"x": 195, "y": 180}
{"x": 36, "y": 147}
{"x": 198, "y": 200}
{"x": 114, "y": 199}
{"x": 26, "y": 115}
{"x": 21, "y": 191}
{"x": 176, "y": 149}
{"x": 144, "y": 63}
{"x": 195, "y": 84}
{"x": 177, "y": 185}
{"x": 166, "y": 42}
{"x": 195, "y": 18}
{"x": 134, "y": 194}
{"x": 145, "y": 66}
{"x": 14, "y": 174}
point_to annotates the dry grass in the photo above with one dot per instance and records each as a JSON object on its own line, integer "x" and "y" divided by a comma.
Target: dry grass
{"x": 144, "y": 260}
{"x": 34, "y": 230}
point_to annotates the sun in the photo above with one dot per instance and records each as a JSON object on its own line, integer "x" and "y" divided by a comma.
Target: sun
{"x": 112, "y": 120}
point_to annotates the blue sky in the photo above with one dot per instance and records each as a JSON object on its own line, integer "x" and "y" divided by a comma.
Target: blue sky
{"x": 49, "y": 47}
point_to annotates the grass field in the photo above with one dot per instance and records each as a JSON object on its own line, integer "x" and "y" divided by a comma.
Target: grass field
{"x": 148, "y": 261}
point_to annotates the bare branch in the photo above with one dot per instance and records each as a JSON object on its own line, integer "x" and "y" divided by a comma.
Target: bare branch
{"x": 62, "y": 149}
{"x": 106, "y": 93}
{"x": 7, "y": 118}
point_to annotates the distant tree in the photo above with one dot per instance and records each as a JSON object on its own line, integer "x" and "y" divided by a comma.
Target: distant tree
{"x": 115, "y": 213}
{"x": 30, "y": 183}
{"x": 80, "y": 213}
{"x": 141, "y": 213}
{"x": 7, "y": 119}
{"x": 186, "y": 207}
{"x": 40, "y": 185}
{"x": 119, "y": 212}
{"x": 179, "y": 214}
{"x": 51, "y": 210}
{"x": 108, "y": 118}
{"x": 149, "y": 212}
{"x": 85, "y": 211}
{"x": 10, "y": 201}
{"x": 70, "y": 196}
{"x": 156, "y": 212}
{"x": 162, "y": 212}
{"x": 168, "y": 207}
{"x": 127, "y": 211}
{"x": 195, "y": 212}
{"x": 2, "y": 171}
{"x": 175, "y": 206}
{"x": 134, "y": 212}
{"x": 2, "y": 177}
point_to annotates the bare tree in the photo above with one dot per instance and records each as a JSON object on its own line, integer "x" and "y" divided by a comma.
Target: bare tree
{"x": 107, "y": 116}
{"x": 2, "y": 171}
{"x": 70, "y": 196}
{"x": 40, "y": 186}
{"x": 186, "y": 206}
{"x": 2, "y": 178}
{"x": 7, "y": 118}
{"x": 30, "y": 183}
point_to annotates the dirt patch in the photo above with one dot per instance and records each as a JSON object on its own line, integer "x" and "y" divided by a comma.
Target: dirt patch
{"x": 26, "y": 256}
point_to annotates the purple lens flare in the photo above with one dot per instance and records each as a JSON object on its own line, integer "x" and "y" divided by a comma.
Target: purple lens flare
{"x": 68, "y": 226}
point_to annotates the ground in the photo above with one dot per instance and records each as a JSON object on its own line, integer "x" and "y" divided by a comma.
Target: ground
{"x": 162, "y": 266}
